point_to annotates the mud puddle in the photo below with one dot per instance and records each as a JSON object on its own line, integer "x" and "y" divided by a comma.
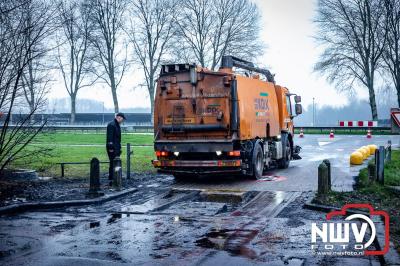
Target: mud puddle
{"x": 232, "y": 241}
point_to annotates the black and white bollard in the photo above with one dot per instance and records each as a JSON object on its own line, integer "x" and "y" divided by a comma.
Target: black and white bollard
{"x": 380, "y": 164}
{"x": 328, "y": 164}
{"x": 323, "y": 179}
{"x": 94, "y": 180}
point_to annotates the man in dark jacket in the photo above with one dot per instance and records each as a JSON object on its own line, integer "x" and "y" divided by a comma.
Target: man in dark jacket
{"x": 113, "y": 144}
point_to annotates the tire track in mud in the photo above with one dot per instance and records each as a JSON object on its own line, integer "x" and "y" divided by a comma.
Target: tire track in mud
{"x": 231, "y": 219}
{"x": 236, "y": 239}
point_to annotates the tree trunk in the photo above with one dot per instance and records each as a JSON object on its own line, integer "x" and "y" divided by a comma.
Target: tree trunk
{"x": 114, "y": 91}
{"x": 397, "y": 85}
{"x": 73, "y": 109}
{"x": 202, "y": 61}
{"x": 31, "y": 103}
{"x": 398, "y": 95}
{"x": 152, "y": 110}
{"x": 372, "y": 101}
{"x": 115, "y": 99}
{"x": 151, "y": 96}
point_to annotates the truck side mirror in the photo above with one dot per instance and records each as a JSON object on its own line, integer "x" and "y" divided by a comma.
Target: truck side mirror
{"x": 298, "y": 108}
{"x": 297, "y": 99}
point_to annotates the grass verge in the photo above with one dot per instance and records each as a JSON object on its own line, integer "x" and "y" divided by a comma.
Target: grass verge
{"x": 382, "y": 197}
{"x": 75, "y": 138}
{"x": 70, "y": 147}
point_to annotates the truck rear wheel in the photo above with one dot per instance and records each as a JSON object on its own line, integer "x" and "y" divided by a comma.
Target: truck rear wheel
{"x": 284, "y": 162}
{"x": 258, "y": 162}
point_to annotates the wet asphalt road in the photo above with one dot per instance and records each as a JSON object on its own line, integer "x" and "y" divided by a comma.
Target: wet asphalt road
{"x": 206, "y": 222}
{"x": 302, "y": 174}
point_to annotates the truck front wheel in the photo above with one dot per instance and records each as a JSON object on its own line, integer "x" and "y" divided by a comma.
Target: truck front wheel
{"x": 258, "y": 162}
{"x": 284, "y": 162}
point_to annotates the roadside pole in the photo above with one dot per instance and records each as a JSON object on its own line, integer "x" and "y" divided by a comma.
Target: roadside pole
{"x": 323, "y": 181}
{"x": 94, "y": 181}
{"x": 128, "y": 160}
{"x": 328, "y": 164}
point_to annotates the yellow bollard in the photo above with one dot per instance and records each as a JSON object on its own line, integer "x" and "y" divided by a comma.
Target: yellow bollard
{"x": 363, "y": 153}
{"x": 367, "y": 151}
{"x": 356, "y": 158}
{"x": 372, "y": 149}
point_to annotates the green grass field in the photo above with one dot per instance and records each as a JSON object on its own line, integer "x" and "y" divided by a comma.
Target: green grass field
{"x": 380, "y": 196}
{"x": 82, "y": 147}
{"x": 392, "y": 170}
{"x": 92, "y": 138}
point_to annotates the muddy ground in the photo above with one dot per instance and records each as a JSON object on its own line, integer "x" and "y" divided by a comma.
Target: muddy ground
{"x": 195, "y": 222}
{"x": 161, "y": 225}
{"x": 58, "y": 189}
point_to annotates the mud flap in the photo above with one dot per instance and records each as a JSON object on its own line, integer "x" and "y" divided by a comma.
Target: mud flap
{"x": 296, "y": 152}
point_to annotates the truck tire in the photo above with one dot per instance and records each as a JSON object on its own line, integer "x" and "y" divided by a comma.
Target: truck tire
{"x": 258, "y": 162}
{"x": 284, "y": 162}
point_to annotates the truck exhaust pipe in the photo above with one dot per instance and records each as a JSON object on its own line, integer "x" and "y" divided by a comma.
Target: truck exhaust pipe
{"x": 234, "y": 107}
{"x": 229, "y": 61}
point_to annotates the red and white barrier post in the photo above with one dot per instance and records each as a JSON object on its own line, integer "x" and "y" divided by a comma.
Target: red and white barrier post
{"x": 369, "y": 135}
{"x": 331, "y": 135}
{"x": 356, "y": 124}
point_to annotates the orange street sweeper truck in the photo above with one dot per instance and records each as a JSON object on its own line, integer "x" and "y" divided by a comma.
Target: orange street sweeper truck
{"x": 211, "y": 122}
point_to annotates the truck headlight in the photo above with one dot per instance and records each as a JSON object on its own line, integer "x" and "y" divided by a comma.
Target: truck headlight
{"x": 218, "y": 153}
{"x": 176, "y": 153}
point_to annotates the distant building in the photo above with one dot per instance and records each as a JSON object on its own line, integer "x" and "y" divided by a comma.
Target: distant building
{"x": 85, "y": 118}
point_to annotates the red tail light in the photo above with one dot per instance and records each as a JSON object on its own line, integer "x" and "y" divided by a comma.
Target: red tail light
{"x": 234, "y": 153}
{"x": 162, "y": 153}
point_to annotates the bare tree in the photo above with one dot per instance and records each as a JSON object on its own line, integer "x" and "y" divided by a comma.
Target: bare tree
{"x": 35, "y": 78}
{"x": 391, "y": 53}
{"x": 111, "y": 53}
{"x": 35, "y": 81}
{"x": 73, "y": 56}
{"x": 17, "y": 50}
{"x": 151, "y": 30}
{"x": 209, "y": 29}
{"x": 236, "y": 30}
{"x": 195, "y": 23}
{"x": 353, "y": 45}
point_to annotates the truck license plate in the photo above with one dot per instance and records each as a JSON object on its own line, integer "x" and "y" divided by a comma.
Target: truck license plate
{"x": 185, "y": 120}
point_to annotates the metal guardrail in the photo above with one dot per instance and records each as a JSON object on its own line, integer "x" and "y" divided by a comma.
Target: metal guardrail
{"x": 382, "y": 155}
{"x": 376, "y": 170}
{"x": 129, "y": 155}
{"x": 71, "y": 163}
{"x": 342, "y": 128}
{"x": 149, "y": 128}
{"x": 127, "y": 128}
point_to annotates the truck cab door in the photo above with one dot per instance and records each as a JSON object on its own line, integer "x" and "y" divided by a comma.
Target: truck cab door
{"x": 288, "y": 121}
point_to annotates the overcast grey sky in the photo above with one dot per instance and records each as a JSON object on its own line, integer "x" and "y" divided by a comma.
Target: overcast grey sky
{"x": 286, "y": 29}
